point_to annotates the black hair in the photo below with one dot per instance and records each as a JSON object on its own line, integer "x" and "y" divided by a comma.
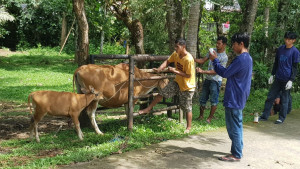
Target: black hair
{"x": 290, "y": 35}
{"x": 241, "y": 37}
{"x": 180, "y": 42}
{"x": 223, "y": 39}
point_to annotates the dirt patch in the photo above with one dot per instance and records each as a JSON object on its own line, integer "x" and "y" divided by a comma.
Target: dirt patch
{"x": 15, "y": 122}
{"x": 7, "y": 52}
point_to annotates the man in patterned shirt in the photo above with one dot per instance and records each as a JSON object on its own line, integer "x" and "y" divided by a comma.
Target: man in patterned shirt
{"x": 184, "y": 84}
{"x": 212, "y": 83}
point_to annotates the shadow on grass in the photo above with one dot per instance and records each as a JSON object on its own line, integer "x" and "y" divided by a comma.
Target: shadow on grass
{"x": 20, "y": 93}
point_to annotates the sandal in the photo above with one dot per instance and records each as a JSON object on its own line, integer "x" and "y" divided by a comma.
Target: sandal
{"x": 186, "y": 131}
{"x": 229, "y": 158}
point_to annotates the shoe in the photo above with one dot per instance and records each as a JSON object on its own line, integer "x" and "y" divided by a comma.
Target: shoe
{"x": 229, "y": 158}
{"x": 278, "y": 122}
{"x": 262, "y": 119}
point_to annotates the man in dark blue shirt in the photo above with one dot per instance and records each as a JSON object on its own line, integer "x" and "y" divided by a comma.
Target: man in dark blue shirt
{"x": 237, "y": 90}
{"x": 285, "y": 71}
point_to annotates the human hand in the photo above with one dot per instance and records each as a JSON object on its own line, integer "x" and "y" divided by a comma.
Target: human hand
{"x": 199, "y": 70}
{"x": 212, "y": 56}
{"x": 288, "y": 85}
{"x": 157, "y": 70}
{"x": 271, "y": 79}
{"x": 171, "y": 69}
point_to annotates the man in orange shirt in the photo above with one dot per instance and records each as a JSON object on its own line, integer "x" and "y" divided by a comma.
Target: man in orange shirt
{"x": 184, "y": 83}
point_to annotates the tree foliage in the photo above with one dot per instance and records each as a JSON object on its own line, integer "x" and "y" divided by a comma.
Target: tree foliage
{"x": 39, "y": 23}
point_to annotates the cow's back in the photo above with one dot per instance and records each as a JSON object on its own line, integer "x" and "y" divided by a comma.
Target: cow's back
{"x": 53, "y": 102}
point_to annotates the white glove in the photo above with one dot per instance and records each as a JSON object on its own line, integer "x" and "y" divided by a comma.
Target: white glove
{"x": 288, "y": 85}
{"x": 271, "y": 79}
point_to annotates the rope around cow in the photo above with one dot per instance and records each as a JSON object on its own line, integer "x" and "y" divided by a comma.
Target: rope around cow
{"x": 124, "y": 82}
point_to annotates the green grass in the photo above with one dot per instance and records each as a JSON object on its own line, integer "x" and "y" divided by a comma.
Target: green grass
{"x": 44, "y": 69}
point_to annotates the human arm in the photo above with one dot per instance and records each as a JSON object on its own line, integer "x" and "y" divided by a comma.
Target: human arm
{"x": 294, "y": 71}
{"x": 275, "y": 66}
{"x": 289, "y": 84}
{"x": 162, "y": 66}
{"x": 208, "y": 72}
{"x": 201, "y": 60}
{"x": 178, "y": 72}
{"x": 232, "y": 69}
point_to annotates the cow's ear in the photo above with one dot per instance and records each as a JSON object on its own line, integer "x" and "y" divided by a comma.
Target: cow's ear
{"x": 84, "y": 90}
{"x": 91, "y": 89}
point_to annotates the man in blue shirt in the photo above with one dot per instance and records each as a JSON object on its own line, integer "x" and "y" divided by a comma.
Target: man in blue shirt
{"x": 237, "y": 90}
{"x": 285, "y": 71}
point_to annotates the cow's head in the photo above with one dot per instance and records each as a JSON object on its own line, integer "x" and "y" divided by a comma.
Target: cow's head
{"x": 98, "y": 95}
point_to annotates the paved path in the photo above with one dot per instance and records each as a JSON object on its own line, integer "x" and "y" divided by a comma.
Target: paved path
{"x": 266, "y": 146}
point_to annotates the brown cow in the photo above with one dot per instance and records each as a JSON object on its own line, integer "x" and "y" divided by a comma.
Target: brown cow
{"x": 59, "y": 104}
{"x": 112, "y": 83}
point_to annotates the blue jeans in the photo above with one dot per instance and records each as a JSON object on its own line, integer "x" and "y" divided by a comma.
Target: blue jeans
{"x": 275, "y": 89}
{"x": 210, "y": 89}
{"x": 234, "y": 125}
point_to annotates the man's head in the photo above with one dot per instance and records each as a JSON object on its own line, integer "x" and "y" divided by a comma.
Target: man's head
{"x": 290, "y": 35}
{"x": 221, "y": 44}
{"x": 290, "y": 38}
{"x": 240, "y": 41}
{"x": 180, "y": 45}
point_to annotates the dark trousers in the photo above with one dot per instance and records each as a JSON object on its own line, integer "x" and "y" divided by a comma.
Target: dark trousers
{"x": 276, "y": 87}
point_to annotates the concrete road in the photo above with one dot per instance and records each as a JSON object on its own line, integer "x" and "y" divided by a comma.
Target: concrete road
{"x": 266, "y": 146}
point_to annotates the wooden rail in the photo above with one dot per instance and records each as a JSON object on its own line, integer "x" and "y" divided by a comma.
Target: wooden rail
{"x": 139, "y": 58}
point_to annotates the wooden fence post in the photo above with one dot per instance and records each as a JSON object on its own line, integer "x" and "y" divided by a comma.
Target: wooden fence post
{"x": 130, "y": 93}
{"x": 180, "y": 116}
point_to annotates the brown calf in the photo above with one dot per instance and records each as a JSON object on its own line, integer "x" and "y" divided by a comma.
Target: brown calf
{"x": 58, "y": 104}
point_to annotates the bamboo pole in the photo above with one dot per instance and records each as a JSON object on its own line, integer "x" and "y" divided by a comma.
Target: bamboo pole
{"x": 67, "y": 37}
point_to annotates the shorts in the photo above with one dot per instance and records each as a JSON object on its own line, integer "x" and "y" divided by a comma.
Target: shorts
{"x": 185, "y": 97}
{"x": 210, "y": 89}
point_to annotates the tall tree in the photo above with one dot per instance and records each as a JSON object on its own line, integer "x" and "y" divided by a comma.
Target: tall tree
{"x": 249, "y": 16}
{"x": 64, "y": 25}
{"x": 122, "y": 11}
{"x": 82, "y": 50}
{"x": 266, "y": 28}
{"x": 193, "y": 27}
{"x": 174, "y": 21}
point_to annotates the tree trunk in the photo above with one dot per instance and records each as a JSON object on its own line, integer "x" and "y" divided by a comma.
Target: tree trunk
{"x": 282, "y": 17}
{"x": 216, "y": 17}
{"x": 174, "y": 21}
{"x": 193, "y": 27}
{"x": 249, "y": 17}
{"x": 64, "y": 26}
{"x": 82, "y": 50}
{"x": 135, "y": 28}
{"x": 102, "y": 35}
{"x": 82, "y": 47}
{"x": 266, "y": 28}
{"x": 137, "y": 36}
{"x": 101, "y": 42}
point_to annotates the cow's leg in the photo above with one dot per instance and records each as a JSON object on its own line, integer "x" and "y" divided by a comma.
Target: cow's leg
{"x": 31, "y": 128}
{"x": 77, "y": 126}
{"x": 38, "y": 116}
{"x": 36, "y": 132}
{"x": 91, "y": 110}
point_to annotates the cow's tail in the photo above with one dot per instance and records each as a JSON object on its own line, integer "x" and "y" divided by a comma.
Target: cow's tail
{"x": 74, "y": 78}
{"x": 74, "y": 83}
{"x": 29, "y": 98}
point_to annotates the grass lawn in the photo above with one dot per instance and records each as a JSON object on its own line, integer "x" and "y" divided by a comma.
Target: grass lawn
{"x": 45, "y": 69}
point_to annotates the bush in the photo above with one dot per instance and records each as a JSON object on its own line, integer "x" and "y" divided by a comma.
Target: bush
{"x": 260, "y": 75}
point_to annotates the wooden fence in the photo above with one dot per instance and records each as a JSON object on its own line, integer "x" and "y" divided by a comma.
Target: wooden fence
{"x": 132, "y": 59}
